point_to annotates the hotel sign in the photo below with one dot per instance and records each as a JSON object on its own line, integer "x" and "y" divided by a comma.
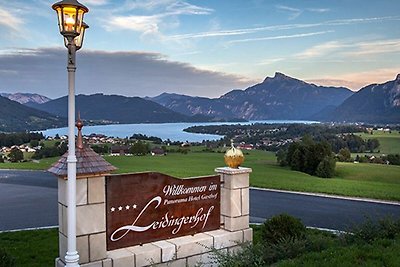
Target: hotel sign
{"x": 146, "y": 207}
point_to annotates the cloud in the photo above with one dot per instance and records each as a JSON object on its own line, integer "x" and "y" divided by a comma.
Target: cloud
{"x": 351, "y": 50}
{"x": 363, "y": 49}
{"x": 358, "y": 80}
{"x": 300, "y": 35}
{"x": 320, "y": 50}
{"x": 318, "y": 10}
{"x": 96, "y": 2}
{"x": 233, "y": 32}
{"x": 145, "y": 4}
{"x": 270, "y": 61}
{"x": 43, "y": 71}
{"x": 151, "y": 24}
{"x": 294, "y": 12}
{"x": 10, "y": 20}
{"x": 353, "y": 85}
{"x": 143, "y": 24}
{"x": 184, "y": 8}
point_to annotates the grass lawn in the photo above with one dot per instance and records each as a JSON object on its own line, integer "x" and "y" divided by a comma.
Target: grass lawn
{"x": 389, "y": 142}
{"x": 42, "y": 164}
{"x": 362, "y": 180}
{"x": 31, "y": 248}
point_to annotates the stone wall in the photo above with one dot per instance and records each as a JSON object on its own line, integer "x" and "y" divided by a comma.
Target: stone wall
{"x": 182, "y": 251}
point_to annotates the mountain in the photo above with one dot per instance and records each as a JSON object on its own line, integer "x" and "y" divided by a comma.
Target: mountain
{"x": 26, "y": 98}
{"x": 375, "y": 103}
{"x": 117, "y": 109}
{"x": 279, "y": 97}
{"x": 17, "y": 117}
{"x": 190, "y": 105}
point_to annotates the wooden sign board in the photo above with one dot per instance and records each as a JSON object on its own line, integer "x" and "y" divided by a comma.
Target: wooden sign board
{"x": 146, "y": 207}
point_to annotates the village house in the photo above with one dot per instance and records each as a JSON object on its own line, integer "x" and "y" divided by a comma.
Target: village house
{"x": 158, "y": 151}
{"x": 120, "y": 151}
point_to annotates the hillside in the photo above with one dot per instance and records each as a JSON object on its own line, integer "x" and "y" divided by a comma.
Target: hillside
{"x": 117, "y": 109}
{"x": 26, "y": 98}
{"x": 17, "y": 117}
{"x": 375, "y": 103}
{"x": 279, "y": 97}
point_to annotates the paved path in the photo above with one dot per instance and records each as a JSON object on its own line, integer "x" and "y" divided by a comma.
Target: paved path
{"x": 28, "y": 199}
{"x": 315, "y": 211}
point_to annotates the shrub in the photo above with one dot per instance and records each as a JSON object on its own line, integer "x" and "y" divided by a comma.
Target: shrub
{"x": 5, "y": 259}
{"x": 282, "y": 227}
{"x": 248, "y": 255}
{"x": 16, "y": 155}
{"x": 285, "y": 248}
{"x": 326, "y": 168}
{"x": 385, "y": 228}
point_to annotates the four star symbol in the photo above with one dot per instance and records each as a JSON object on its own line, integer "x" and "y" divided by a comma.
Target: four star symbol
{"x": 120, "y": 208}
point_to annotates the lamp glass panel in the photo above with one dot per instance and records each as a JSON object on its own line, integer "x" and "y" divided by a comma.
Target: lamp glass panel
{"x": 69, "y": 22}
{"x": 80, "y": 19}
{"x": 79, "y": 39}
{"x": 59, "y": 15}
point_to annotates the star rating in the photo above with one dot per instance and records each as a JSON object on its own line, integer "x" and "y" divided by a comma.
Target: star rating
{"x": 122, "y": 208}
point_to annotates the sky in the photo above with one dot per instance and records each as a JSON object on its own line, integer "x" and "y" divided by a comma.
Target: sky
{"x": 200, "y": 47}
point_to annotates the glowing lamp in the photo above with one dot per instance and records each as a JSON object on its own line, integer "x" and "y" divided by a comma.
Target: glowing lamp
{"x": 78, "y": 40}
{"x": 70, "y": 17}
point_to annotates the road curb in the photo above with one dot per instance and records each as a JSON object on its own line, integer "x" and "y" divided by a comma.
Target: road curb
{"x": 371, "y": 200}
{"x": 29, "y": 229}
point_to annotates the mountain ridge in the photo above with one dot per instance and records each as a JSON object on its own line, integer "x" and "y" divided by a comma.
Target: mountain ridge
{"x": 372, "y": 103}
{"x": 17, "y": 117}
{"x": 26, "y": 98}
{"x": 117, "y": 109}
{"x": 275, "y": 98}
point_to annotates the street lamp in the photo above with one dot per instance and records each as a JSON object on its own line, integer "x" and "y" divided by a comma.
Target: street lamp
{"x": 70, "y": 21}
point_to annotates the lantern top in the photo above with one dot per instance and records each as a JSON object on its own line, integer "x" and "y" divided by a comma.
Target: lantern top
{"x": 70, "y": 3}
{"x": 84, "y": 25}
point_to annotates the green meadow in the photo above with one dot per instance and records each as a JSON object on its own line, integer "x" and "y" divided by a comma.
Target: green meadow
{"x": 389, "y": 143}
{"x": 352, "y": 179}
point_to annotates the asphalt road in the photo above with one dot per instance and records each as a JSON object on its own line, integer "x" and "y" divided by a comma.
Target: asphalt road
{"x": 28, "y": 199}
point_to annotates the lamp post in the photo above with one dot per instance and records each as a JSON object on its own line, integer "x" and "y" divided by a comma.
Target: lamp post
{"x": 70, "y": 21}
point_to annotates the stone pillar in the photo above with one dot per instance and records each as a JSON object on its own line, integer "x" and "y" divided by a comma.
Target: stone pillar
{"x": 90, "y": 220}
{"x": 234, "y": 198}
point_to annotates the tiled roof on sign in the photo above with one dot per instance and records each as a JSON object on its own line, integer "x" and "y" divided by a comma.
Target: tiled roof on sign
{"x": 89, "y": 163}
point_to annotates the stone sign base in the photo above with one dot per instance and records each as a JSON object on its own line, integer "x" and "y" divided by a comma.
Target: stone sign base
{"x": 180, "y": 252}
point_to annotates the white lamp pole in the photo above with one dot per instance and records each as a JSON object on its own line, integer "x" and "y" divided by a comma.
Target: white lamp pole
{"x": 70, "y": 20}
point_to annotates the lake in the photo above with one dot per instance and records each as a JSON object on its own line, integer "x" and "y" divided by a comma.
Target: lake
{"x": 172, "y": 131}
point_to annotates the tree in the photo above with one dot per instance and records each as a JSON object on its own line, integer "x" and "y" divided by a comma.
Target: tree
{"x": 326, "y": 168}
{"x": 307, "y": 155}
{"x": 34, "y": 143}
{"x": 281, "y": 156}
{"x": 297, "y": 162}
{"x": 16, "y": 155}
{"x": 344, "y": 155}
{"x": 372, "y": 144}
{"x": 139, "y": 148}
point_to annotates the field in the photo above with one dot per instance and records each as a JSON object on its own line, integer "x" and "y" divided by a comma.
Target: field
{"x": 31, "y": 248}
{"x": 389, "y": 142}
{"x": 368, "y": 246}
{"x": 361, "y": 180}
